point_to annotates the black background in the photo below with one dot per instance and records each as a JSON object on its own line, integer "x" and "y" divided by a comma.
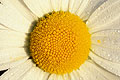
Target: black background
{"x": 1, "y": 72}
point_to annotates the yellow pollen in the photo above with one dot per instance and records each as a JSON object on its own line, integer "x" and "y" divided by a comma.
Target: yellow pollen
{"x": 60, "y": 42}
{"x": 98, "y": 41}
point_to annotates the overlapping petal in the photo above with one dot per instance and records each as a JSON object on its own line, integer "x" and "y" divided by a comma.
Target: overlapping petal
{"x": 18, "y": 72}
{"x": 11, "y": 17}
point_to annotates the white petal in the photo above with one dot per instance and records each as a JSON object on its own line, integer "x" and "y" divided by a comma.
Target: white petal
{"x": 66, "y": 77}
{"x": 64, "y": 5}
{"x": 113, "y": 25}
{"x": 88, "y": 8}
{"x": 39, "y": 7}
{"x": 33, "y": 74}
{"x": 108, "y": 65}
{"x": 35, "y": 7}
{"x": 56, "y": 5}
{"x": 105, "y": 16}
{"x": 74, "y": 75}
{"x": 107, "y": 44}
{"x": 36, "y": 73}
{"x": 2, "y": 27}
{"x": 59, "y": 77}
{"x": 82, "y": 7}
{"x": 71, "y": 3}
{"x": 45, "y": 6}
{"x": 4, "y": 66}
{"x": 112, "y": 55}
{"x": 12, "y": 54}
{"x": 74, "y": 5}
{"x": 52, "y": 77}
{"x": 10, "y": 17}
{"x": 91, "y": 71}
{"x": 19, "y": 4}
{"x": 12, "y": 39}
{"x": 17, "y": 72}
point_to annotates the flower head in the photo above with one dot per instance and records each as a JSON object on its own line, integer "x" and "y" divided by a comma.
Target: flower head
{"x": 60, "y": 39}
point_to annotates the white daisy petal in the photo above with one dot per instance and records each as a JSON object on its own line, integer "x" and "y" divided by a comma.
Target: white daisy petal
{"x": 107, "y": 53}
{"x": 19, "y": 4}
{"x": 87, "y": 9}
{"x": 71, "y": 3}
{"x": 91, "y": 71}
{"x": 12, "y": 54}
{"x": 17, "y": 72}
{"x": 46, "y": 76}
{"x": 39, "y": 7}
{"x": 35, "y": 7}
{"x": 4, "y": 66}
{"x": 113, "y": 25}
{"x": 108, "y": 65}
{"x": 59, "y": 77}
{"x": 74, "y": 5}
{"x": 52, "y": 77}
{"x": 12, "y": 39}
{"x": 66, "y": 77}
{"x": 74, "y": 75}
{"x": 82, "y": 7}
{"x": 2, "y": 27}
{"x": 36, "y": 74}
{"x": 45, "y": 6}
{"x": 43, "y": 75}
{"x": 82, "y": 74}
{"x": 33, "y": 74}
{"x": 56, "y": 5}
{"x": 64, "y": 5}
{"x": 10, "y": 17}
{"x": 107, "y": 44}
{"x": 105, "y": 16}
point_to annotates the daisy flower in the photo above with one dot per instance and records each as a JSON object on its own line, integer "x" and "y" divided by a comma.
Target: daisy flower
{"x": 60, "y": 39}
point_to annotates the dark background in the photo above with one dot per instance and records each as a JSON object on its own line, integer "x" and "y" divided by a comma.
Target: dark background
{"x": 1, "y": 72}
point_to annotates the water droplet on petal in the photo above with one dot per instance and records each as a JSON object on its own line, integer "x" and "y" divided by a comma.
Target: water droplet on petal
{"x": 108, "y": 55}
{"x": 81, "y": 78}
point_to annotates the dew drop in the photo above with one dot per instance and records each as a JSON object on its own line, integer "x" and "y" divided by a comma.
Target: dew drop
{"x": 81, "y": 78}
{"x": 111, "y": 68}
{"x": 99, "y": 8}
{"x": 118, "y": 31}
{"x": 110, "y": 59}
{"x": 91, "y": 3}
{"x": 104, "y": 67}
{"x": 108, "y": 55}
{"x": 11, "y": 74}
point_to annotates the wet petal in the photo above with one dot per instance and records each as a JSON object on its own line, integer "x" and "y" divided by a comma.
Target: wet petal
{"x": 105, "y": 17}
{"x": 107, "y": 44}
{"x": 106, "y": 64}
{"x": 90, "y": 71}
{"x": 88, "y": 7}
{"x": 17, "y": 72}
{"x": 12, "y": 64}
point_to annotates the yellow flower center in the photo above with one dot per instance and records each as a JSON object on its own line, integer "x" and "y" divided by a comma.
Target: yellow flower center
{"x": 60, "y": 43}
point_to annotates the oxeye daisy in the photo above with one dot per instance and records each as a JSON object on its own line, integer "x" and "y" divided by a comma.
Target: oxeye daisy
{"x": 60, "y": 39}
